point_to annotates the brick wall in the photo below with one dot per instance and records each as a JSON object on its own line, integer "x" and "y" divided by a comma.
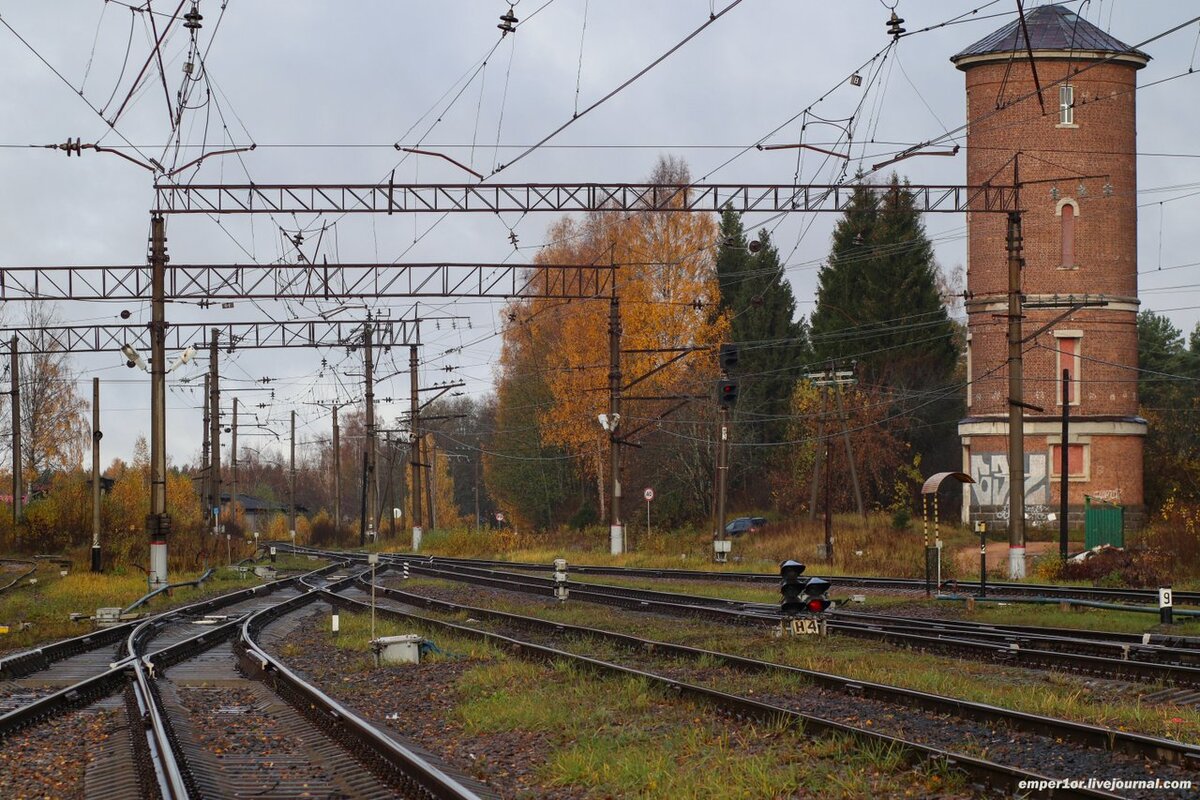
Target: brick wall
{"x": 1103, "y": 260}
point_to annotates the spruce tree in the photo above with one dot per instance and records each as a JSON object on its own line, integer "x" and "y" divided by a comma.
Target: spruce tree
{"x": 879, "y": 306}
{"x": 772, "y": 343}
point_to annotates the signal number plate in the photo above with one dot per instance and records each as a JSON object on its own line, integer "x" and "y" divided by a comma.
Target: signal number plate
{"x": 806, "y": 627}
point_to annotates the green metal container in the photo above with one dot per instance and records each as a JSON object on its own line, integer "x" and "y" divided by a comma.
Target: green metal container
{"x": 1104, "y": 523}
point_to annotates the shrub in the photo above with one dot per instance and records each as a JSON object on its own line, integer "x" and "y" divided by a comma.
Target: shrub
{"x": 1138, "y": 567}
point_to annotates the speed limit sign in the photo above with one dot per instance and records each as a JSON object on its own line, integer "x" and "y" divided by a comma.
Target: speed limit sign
{"x": 648, "y": 494}
{"x": 1164, "y": 597}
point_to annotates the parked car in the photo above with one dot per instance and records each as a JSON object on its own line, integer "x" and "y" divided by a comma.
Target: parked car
{"x": 745, "y": 525}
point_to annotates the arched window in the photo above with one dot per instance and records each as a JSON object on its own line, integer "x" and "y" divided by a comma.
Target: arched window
{"x": 1067, "y": 211}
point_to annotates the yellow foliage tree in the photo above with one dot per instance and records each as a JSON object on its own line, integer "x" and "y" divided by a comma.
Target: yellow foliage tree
{"x": 667, "y": 287}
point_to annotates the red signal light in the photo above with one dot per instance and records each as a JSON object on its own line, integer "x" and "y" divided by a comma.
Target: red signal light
{"x": 817, "y": 605}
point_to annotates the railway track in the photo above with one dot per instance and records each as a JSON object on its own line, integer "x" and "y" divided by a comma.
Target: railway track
{"x": 175, "y": 716}
{"x": 24, "y": 569}
{"x": 1044, "y": 741}
{"x": 915, "y": 585}
{"x": 1167, "y": 660}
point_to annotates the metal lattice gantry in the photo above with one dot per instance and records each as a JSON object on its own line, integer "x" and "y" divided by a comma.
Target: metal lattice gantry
{"x": 233, "y": 335}
{"x": 395, "y": 198}
{"x": 307, "y": 281}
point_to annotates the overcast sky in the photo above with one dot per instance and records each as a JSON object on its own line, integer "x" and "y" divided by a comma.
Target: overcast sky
{"x": 289, "y": 76}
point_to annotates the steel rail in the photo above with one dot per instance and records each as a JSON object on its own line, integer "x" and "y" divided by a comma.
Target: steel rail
{"x": 1044, "y": 590}
{"x": 28, "y": 662}
{"x": 1127, "y": 645}
{"x": 32, "y": 569}
{"x": 725, "y": 611}
{"x": 89, "y": 689}
{"x": 165, "y": 755}
{"x": 396, "y": 763}
{"x": 1093, "y": 736}
{"x": 998, "y": 776}
{"x": 162, "y": 767}
{"x": 1178, "y": 652}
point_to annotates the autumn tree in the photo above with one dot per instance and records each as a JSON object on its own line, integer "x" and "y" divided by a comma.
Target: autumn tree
{"x": 819, "y": 429}
{"x": 525, "y": 473}
{"x": 667, "y": 293}
{"x": 462, "y": 435}
{"x": 54, "y": 417}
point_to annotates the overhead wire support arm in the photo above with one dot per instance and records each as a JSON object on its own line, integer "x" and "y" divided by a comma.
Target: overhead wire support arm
{"x": 802, "y": 146}
{"x": 419, "y": 152}
{"x": 219, "y": 282}
{"x": 386, "y": 198}
{"x": 234, "y": 335}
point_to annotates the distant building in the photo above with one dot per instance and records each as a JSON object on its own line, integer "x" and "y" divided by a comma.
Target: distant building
{"x": 256, "y": 512}
{"x": 1078, "y": 172}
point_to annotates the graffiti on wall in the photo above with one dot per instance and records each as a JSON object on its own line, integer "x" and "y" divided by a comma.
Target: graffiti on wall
{"x": 991, "y": 476}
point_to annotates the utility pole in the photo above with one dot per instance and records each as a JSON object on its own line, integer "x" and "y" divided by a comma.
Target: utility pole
{"x": 233, "y": 465}
{"x": 722, "y": 474}
{"x": 15, "y": 374}
{"x": 158, "y": 523}
{"x": 828, "y": 514}
{"x": 215, "y": 419}
{"x": 1064, "y": 467}
{"x": 337, "y": 475}
{"x": 292, "y": 483}
{"x": 858, "y": 502}
{"x": 726, "y": 394}
{"x": 1016, "y": 404}
{"x": 390, "y": 499}
{"x": 616, "y": 531}
{"x": 478, "y": 458}
{"x": 362, "y": 519}
{"x": 836, "y": 379}
{"x": 429, "y": 485}
{"x": 205, "y": 462}
{"x": 372, "y": 488}
{"x": 96, "y": 436}
{"x": 818, "y": 460}
{"x": 414, "y": 424}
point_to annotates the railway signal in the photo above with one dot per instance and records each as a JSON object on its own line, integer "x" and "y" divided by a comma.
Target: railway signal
{"x": 804, "y": 602}
{"x": 727, "y": 392}
{"x": 791, "y": 587}
{"x": 815, "y": 596}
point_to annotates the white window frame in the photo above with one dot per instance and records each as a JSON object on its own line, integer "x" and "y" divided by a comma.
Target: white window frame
{"x": 1055, "y": 472}
{"x": 970, "y": 374}
{"x": 1066, "y": 105}
{"x": 1075, "y": 366}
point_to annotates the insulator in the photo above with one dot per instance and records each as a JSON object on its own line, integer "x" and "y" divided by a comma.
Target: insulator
{"x": 191, "y": 20}
{"x": 508, "y": 22}
{"x": 894, "y": 26}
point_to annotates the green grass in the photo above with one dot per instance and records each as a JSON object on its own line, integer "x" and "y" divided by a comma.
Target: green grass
{"x": 1082, "y": 617}
{"x": 48, "y": 604}
{"x": 1054, "y": 694}
{"x": 621, "y": 737}
{"x": 625, "y": 737}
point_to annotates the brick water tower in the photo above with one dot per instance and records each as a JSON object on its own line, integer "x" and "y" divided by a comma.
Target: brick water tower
{"x": 1073, "y": 153}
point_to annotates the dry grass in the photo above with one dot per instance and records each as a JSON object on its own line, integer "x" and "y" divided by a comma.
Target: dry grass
{"x": 861, "y": 547}
{"x": 47, "y": 604}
